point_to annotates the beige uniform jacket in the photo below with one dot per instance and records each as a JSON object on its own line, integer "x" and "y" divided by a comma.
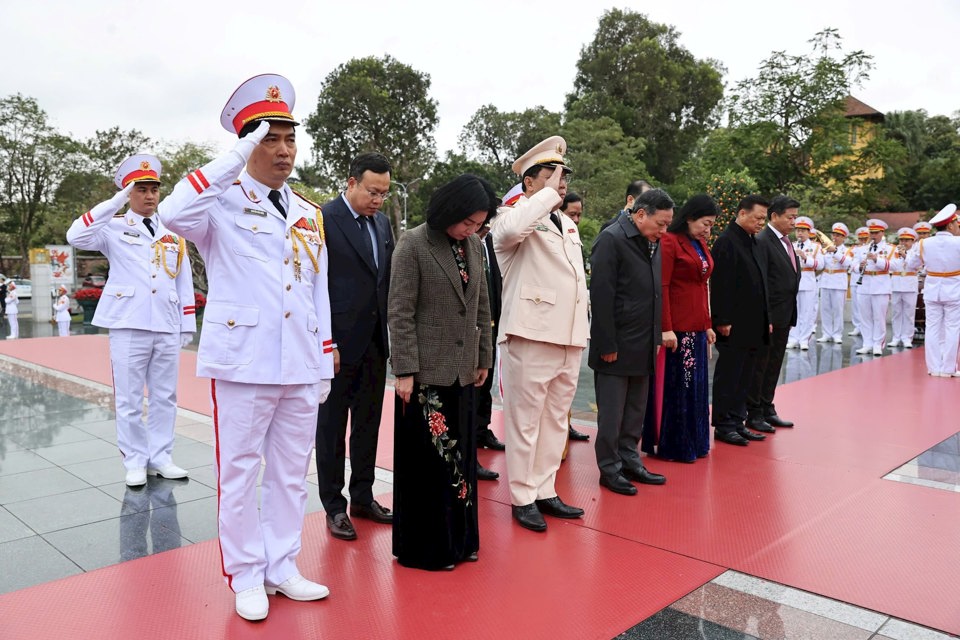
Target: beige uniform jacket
{"x": 544, "y": 286}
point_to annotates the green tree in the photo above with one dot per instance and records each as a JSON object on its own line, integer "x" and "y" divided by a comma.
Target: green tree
{"x": 728, "y": 189}
{"x": 637, "y": 72}
{"x": 373, "y": 104}
{"x": 931, "y": 144}
{"x": 107, "y": 149}
{"x": 498, "y": 138}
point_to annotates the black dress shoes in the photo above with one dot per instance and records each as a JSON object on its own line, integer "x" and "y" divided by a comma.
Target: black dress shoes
{"x": 373, "y": 511}
{"x": 618, "y": 484}
{"x": 643, "y": 476}
{"x": 576, "y": 435}
{"x": 777, "y": 421}
{"x": 486, "y": 474}
{"x": 555, "y": 507}
{"x": 529, "y": 517}
{"x": 488, "y": 440}
{"x": 759, "y": 424}
{"x": 750, "y": 435}
{"x": 341, "y": 527}
{"x": 730, "y": 437}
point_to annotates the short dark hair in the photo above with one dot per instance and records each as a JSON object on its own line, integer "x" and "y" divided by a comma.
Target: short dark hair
{"x": 780, "y": 204}
{"x": 695, "y": 208}
{"x": 251, "y": 126}
{"x": 371, "y": 161}
{"x": 637, "y": 187}
{"x": 751, "y": 201}
{"x": 652, "y": 201}
{"x": 460, "y": 198}
{"x": 567, "y": 199}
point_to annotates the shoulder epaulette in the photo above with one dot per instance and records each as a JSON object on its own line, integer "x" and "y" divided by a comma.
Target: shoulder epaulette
{"x": 119, "y": 215}
{"x": 306, "y": 199}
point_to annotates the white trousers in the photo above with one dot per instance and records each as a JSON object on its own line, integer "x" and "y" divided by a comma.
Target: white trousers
{"x": 831, "y": 312}
{"x": 806, "y": 317}
{"x": 148, "y": 358}
{"x": 903, "y": 315}
{"x": 279, "y": 424}
{"x": 942, "y": 337}
{"x": 14, "y": 326}
{"x": 63, "y": 328}
{"x": 539, "y": 381}
{"x": 873, "y": 318}
{"x": 855, "y": 301}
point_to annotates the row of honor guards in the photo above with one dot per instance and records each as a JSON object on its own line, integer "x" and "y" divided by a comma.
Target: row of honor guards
{"x": 881, "y": 277}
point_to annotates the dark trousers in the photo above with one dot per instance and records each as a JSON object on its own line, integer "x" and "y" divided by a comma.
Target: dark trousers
{"x": 766, "y": 374}
{"x": 731, "y": 382}
{"x": 485, "y": 399}
{"x": 358, "y": 390}
{"x": 621, "y": 405}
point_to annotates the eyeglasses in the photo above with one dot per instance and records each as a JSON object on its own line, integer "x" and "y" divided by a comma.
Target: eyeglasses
{"x": 376, "y": 195}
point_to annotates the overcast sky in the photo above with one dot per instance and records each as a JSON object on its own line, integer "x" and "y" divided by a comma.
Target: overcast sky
{"x": 167, "y": 68}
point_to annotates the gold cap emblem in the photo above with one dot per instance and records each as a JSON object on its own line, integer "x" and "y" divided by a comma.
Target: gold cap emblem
{"x": 273, "y": 94}
{"x": 145, "y": 166}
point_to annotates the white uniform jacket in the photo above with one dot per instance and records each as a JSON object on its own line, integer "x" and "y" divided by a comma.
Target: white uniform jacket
{"x": 876, "y": 274}
{"x": 810, "y": 266}
{"x": 940, "y": 255}
{"x": 144, "y": 289}
{"x": 267, "y": 319}
{"x": 12, "y": 304}
{"x": 544, "y": 286}
{"x": 835, "y": 268}
{"x": 903, "y": 271}
{"x": 62, "y": 307}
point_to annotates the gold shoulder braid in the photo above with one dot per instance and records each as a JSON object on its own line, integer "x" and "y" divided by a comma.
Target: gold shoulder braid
{"x": 160, "y": 256}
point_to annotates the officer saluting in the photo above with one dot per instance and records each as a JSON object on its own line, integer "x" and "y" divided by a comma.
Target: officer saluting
{"x": 266, "y": 341}
{"x": 148, "y": 305}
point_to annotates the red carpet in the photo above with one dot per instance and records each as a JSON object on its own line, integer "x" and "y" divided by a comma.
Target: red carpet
{"x": 807, "y": 508}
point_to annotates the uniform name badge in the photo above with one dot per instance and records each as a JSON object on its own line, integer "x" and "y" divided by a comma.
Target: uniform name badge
{"x": 255, "y": 212}
{"x": 541, "y": 227}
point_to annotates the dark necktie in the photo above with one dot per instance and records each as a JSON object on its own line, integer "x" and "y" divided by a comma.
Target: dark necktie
{"x": 274, "y": 197}
{"x": 365, "y": 237}
{"x": 148, "y": 223}
{"x": 801, "y": 246}
{"x": 556, "y": 221}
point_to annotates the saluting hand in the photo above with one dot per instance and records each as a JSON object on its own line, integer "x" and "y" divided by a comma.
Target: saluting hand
{"x": 554, "y": 180}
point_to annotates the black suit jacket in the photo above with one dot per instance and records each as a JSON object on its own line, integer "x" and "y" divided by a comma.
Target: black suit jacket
{"x": 782, "y": 279}
{"x": 358, "y": 288}
{"x": 625, "y": 296}
{"x": 737, "y": 290}
{"x": 494, "y": 285}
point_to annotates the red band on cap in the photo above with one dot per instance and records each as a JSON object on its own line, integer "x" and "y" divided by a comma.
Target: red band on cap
{"x": 944, "y": 223}
{"x": 262, "y": 109}
{"x": 140, "y": 175}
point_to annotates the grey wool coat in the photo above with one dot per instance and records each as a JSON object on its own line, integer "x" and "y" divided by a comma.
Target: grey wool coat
{"x": 438, "y": 332}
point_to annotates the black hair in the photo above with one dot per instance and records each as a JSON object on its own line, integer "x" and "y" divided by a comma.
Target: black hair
{"x": 652, "y": 201}
{"x": 567, "y": 199}
{"x": 751, "y": 201}
{"x": 780, "y": 204}
{"x": 370, "y": 161}
{"x": 251, "y": 126}
{"x": 695, "y": 208}
{"x": 637, "y": 187}
{"x": 460, "y": 198}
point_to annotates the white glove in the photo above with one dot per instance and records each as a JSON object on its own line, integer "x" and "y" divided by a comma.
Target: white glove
{"x": 245, "y": 146}
{"x": 185, "y": 339}
{"x": 121, "y": 197}
{"x": 324, "y": 390}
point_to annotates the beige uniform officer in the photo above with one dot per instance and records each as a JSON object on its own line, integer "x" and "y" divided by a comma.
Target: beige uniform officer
{"x": 904, "y": 262}
{"x": 62, "y": 308}
{"x": 543, "y": 330}
{"x": 940, "y": 255}
{"x": 148, "y": 306}
{"x": 833, "y": 285}
{"x": 266, "y": 342}
{"x": 871, "y": 262}
{"x": 811, "y": 261}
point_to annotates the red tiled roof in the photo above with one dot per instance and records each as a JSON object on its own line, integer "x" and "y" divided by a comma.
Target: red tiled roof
{"x": 854, "y": 108}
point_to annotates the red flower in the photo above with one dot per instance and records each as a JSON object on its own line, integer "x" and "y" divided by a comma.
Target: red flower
{"x": 199, "y": 300}
{"x": 88, "y": 293}
{"x": 438, "y": 425}
{"x": 463, "y": 490}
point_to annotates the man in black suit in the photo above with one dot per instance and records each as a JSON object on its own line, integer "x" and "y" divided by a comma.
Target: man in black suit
{"x": 485, "y": 437}
{"x": 781, "y": 272}
{"x": 738, "y": 303}
{"x": 360, "y": 246}
{"x": 634, "y": 189}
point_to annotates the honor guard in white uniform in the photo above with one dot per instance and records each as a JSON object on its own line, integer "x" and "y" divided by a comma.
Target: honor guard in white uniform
{"x": 833, "y": 285}
{"x": 12, "y": 311}
{"x": 62, "y": 308}
{"x": 940, "y": 255}
{"x": 811, "y": 261}
{"x": 148, "y": 306}
{"x": 923, "y": 229}
{"x": 266, "y": 342}
{"x": 871, "y": 268}
{"x": 862, "y": 238}
{"x": 543, "y": 330}
{"x": 904, "y": 262}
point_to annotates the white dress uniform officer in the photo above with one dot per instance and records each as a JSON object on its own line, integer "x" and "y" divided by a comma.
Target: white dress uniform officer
{"x": 12, "y": 311}
{"x": 266, "y": 341}
{"x": 904, "y": 261}
{"x": 543, "y": 331}
{"x": 833, "y": 285}
{"x": 940, "y": 255}
{"x": 872, "y": 263}
{"x": 862, "y": 238}
{"x": 148, "y": 306}
{"x": 811, "y": 261}
{"x": 62, "y": 308}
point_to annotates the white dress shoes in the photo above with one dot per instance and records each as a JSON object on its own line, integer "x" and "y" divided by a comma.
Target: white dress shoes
{"x": 299, "y": 588}
{"x": 907, "y": 344}
{"x": 877, "y": 351}
{"x": 169, "y": 471}
{"x": 252, "y": 603}
{"x": 895, "y": 343}
{"x": 804, "y": 346}
{"x": 136, "y": 477}
{"x": 863, "y": 350}
{"x": 792, "y": 345}
{"x": 823, "y": 339}
{"x": 855, "y": 332}
{"x": 838, "y": 340}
